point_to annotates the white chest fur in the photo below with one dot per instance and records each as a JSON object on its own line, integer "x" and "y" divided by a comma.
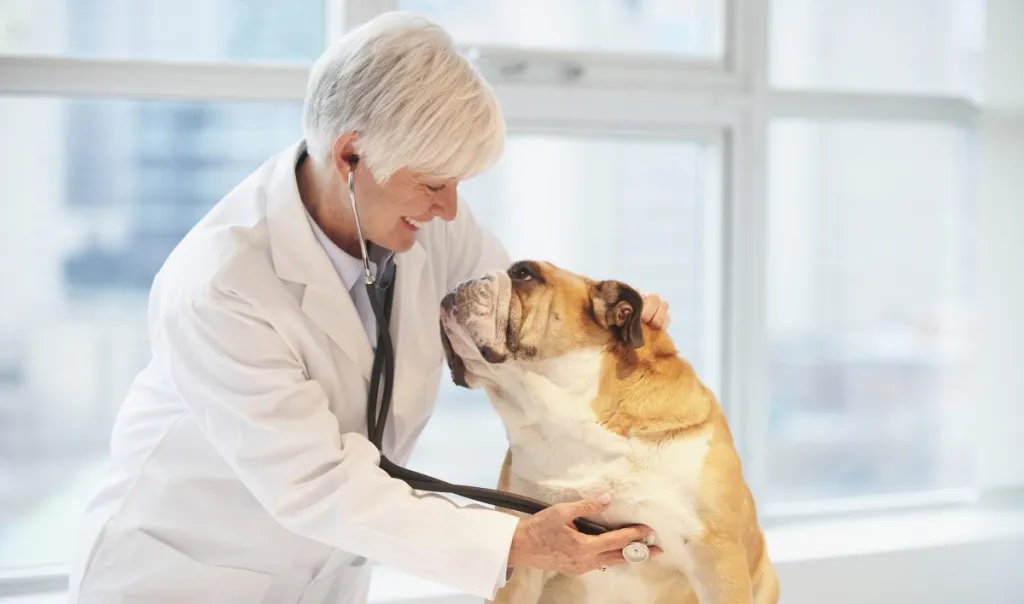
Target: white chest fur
{"x": 561, "y": 453}
{"x": 653, "y": 485}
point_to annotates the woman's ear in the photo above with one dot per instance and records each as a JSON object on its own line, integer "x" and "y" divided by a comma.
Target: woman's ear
{"x": 343, "y": 154}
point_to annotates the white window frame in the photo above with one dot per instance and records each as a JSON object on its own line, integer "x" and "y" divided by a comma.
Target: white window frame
{"x": 730, "y": 99}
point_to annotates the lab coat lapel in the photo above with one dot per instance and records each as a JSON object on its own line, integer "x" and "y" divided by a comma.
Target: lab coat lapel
{"x": 330, "y": 306}
{"x": 298, "y": 257}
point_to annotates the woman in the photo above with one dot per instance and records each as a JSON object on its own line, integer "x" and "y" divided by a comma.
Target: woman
{"x": 240, "y": 467}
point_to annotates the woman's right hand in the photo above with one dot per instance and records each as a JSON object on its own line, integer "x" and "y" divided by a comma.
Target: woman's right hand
{"x": 549, "y": 540}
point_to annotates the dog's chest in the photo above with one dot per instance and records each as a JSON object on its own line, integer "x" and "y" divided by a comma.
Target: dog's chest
{"x": 620, "y": 585}
{"x": 655, "y": 485}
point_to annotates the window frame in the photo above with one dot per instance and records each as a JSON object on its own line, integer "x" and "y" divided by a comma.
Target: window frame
{"x": 731, "y": 99}
{"x": 555, "y": 120}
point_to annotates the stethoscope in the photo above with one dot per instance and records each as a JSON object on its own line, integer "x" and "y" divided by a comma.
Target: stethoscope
{"x": 384, "y": 366}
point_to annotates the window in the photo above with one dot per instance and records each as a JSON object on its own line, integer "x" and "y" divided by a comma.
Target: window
{"x": 909, "y": 47}
{"x": 184, "y": 30}
{"x": 131, "y": 178}
{"x": 870, "y": 278}
{"x": 597, "y": 205}
{"x": 682, "y": 28}
{"x": 795, "y": 176}
{"x": 870, "y": 205}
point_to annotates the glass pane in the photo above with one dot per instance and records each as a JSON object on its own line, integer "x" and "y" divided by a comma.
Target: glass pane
{"x": 909, "y": 46}
{"x": 691, "y": 28}
{"x": 631, "y": 209}
{"x": 870, "y": 301}
{"x": 179, "y": 30}
{"x": 97, "y": 193}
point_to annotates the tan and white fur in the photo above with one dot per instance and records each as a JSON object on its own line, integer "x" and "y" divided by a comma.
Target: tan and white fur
{"x": 594, "y": 401}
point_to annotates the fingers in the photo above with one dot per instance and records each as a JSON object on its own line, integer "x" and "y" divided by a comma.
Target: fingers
{"x": 585, "y": 507}
{"x": 549, "y": 541}
{"x": 615, "y": 558}
{"x": 660, "y": 318}
{"x": 651, "y": 304}
{"x": 618, "y": 539}
{"x": 655, "y": 311}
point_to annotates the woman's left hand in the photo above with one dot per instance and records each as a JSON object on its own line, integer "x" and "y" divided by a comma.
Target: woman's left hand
{"x": 655, "y": 312}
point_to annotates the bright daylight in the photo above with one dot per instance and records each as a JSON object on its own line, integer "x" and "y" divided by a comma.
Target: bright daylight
{"x": 517, "y": 301}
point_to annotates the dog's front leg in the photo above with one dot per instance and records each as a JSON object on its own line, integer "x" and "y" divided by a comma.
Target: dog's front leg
{"x": 717, "y": 568}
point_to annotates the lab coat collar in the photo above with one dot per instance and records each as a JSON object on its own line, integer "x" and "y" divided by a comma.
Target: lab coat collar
{"x": 299, "y": 257}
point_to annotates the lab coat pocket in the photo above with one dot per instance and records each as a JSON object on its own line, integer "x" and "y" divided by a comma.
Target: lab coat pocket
{"x": 148, "y": 570}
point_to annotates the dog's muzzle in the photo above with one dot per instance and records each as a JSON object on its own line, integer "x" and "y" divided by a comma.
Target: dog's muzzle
{"x": 474, "y": 320}
{"x": 479, "y": 309}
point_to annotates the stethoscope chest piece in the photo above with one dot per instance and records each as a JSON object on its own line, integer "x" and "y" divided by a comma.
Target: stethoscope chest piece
{"x": 636, "y": 553}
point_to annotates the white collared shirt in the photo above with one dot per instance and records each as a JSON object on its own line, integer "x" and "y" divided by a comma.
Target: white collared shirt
{"x": 350, "y": 271}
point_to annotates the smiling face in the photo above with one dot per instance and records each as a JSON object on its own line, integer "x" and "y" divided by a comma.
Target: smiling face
{"x": 536, "y": 312}
{"x": 391, "y": 209}
{"x": 392, "y": 212}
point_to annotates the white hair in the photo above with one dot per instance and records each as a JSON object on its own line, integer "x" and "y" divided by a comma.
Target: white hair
{"x": 414, "y": 101}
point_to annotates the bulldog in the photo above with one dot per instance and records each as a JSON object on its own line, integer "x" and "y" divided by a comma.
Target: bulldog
{"x": 594, "y": 401}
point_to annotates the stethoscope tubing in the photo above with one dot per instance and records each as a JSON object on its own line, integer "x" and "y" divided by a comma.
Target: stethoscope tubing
{"x": 383, "y": 363}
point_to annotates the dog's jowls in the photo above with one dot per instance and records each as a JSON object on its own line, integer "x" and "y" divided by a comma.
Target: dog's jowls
{"x": 594, "y": 401}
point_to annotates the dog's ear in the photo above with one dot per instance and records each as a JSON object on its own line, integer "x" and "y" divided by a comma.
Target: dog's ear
{"x": 617, "y": 307}
{"x": 456, "y": 365}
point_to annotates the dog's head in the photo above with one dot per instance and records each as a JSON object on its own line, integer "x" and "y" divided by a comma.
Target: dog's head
{"x": 535, "y": 312}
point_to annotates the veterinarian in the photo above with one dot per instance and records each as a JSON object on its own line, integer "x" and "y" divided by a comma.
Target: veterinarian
{"x": 240, "y": 469}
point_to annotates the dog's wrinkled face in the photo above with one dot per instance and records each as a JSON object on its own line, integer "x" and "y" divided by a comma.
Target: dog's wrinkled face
{"x": 534, "y": 312}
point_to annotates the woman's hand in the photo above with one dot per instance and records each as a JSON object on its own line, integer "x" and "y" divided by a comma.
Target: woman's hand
{"x": 549, "y": 540}
{"x": 655, "y": 312}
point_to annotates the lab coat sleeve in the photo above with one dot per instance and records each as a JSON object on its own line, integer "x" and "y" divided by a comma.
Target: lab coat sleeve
{"x": 247, "y": 390}
{"x": 472, "y": 248}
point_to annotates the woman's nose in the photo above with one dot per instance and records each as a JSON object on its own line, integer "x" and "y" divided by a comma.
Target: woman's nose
{"x": 446, "y": 204}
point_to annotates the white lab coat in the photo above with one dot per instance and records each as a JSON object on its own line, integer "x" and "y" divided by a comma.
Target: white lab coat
{"x": 240, "y": 468}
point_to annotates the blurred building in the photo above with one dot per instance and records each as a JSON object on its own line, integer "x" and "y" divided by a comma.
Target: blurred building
{"x": 98, "y": 196}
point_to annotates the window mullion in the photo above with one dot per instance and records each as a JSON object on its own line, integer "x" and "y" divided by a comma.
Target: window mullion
{"x": 746, "y": 396}
{"x": 61, "y": 76}
{"x": 825, "y": 105}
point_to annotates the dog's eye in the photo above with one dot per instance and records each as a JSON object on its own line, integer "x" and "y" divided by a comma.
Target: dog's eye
{"x": 521, "y": 272}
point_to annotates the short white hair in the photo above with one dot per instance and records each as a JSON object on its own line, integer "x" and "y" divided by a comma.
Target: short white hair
{"x": 414, "y": 101}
